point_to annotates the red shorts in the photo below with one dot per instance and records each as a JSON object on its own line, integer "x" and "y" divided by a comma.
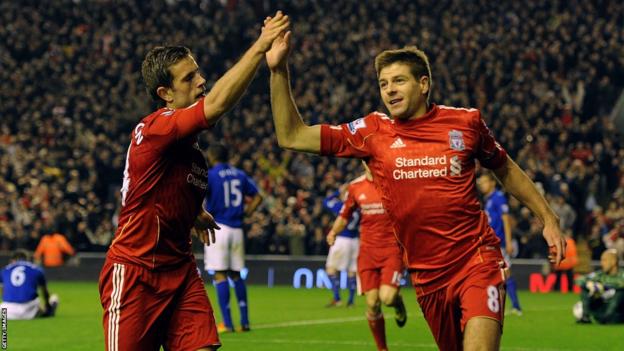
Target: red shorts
{"x": 379, "y": 266}
{"x": 144, "y": 309}
{"x": 478, "y": 290}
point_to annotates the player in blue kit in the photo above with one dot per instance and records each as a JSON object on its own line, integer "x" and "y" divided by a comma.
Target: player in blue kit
{"x": 20, "y": 279}
{"x": 343, "y": 253}
{"x": 231, "y": 195}
{"x": 497, "y": 212}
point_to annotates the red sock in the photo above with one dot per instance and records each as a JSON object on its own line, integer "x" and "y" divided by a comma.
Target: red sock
{"x": 377, "y": 326}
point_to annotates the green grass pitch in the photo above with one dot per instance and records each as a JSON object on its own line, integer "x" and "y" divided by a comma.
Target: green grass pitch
{"x": 284, "y": 318}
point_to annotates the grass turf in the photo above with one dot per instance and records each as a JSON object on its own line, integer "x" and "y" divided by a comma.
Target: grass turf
{"x": 284, "y": 318}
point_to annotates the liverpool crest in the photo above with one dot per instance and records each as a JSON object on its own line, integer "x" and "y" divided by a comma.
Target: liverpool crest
{"x": 456, "y": 140}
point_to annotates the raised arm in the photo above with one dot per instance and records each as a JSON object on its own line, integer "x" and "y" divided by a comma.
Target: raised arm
{"x": 229, "y": 88}
{"x": 292, "y": 132}
{"x": 518, "y": 184}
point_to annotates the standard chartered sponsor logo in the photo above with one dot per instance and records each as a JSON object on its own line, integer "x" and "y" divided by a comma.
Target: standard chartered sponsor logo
{"x": 421, "y": 161}
{"x": 374, "y": 208}
{"x": 199, "y": 177}
{"x": 435, "y": 167}
{"x": 198, "y": 182}
{"x": 199, "y": 170}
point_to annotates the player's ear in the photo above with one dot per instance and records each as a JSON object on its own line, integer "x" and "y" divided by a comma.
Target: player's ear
{"x": 424, "y": 85}
{"x": 165, "y": 93}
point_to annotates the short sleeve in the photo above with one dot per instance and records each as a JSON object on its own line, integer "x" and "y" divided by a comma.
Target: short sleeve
{"x": 502, "y": 204}
{"x": 333, "y": 203}
{"x": 41, "y": 280}
{"x": 349, "y": 139}
{"x": 349, "y": 205}
{"x": 250, "y": 187}
{"x": 172, "y": 125}
{"x": 489, "y": 153}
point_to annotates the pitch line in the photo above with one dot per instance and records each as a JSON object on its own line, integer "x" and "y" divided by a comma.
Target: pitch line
{"x": 303, "y": 323}
{"x": 430, "y": 346}
{"x": 310, "y": 322}
{"x": 331, "y": 342}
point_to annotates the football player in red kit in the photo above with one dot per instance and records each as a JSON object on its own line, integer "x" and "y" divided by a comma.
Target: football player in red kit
{"x": 379, "y": 264}
{"x": 423, "y": 161}
{"x": 150, "y": 287}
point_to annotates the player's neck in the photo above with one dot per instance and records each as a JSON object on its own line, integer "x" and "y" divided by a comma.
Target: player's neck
{"x": 421, "y": 112}
{"x": 175, "y": 106}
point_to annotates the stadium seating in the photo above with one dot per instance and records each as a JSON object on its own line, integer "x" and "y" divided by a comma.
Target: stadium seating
{"x": 544, "y": 77}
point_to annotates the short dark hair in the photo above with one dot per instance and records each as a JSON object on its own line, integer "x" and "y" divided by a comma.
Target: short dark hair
{"x": 20, "y": 255}
{"x": 218, "y": 152}
{"x": 488, "y": 175}
{"x": 155, "y": 67}
{"x": 409, "y": 55}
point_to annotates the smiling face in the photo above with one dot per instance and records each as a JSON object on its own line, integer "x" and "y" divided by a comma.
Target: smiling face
{"x": 187, "y": 85}
{"x": 404, "y": 95}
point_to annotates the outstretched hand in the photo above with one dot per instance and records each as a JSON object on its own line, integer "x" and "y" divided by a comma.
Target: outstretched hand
{"x": 556, "y": 243}
{"x": 272, "y": 28}
{"x": 205, "y": 227}
{"x": 278, "y": 54}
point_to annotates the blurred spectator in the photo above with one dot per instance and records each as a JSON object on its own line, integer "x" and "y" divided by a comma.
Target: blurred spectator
{"x": 296, "y": 237}
{"x": 544, "y": 74}
{"x": 566, "y": 214}
{"x": 52, "y": 249}
{"x": 565, "y": 270}
{"x": 614, "y": 239}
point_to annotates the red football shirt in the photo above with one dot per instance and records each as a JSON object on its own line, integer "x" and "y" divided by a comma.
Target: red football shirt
{"x": 375, "y": 225}
{"x": 425, "y": 169}
{"x": 163, "y": 188}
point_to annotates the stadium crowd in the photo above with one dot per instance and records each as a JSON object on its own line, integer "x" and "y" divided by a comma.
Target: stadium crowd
{"x": 545, "y": 75}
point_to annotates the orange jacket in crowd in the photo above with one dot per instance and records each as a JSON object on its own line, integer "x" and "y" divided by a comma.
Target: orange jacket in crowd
{"x": 52, "y": 247}
{"x": 571, "y": 256}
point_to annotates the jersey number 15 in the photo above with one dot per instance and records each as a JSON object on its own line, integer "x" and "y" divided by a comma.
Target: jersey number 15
{"x": 232, "y": 195}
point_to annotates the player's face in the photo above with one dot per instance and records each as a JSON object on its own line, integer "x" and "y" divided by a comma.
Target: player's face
{"x": 188, "y": 83}
{"x": 485, "y": 184}
{"x": 405, "y": 97}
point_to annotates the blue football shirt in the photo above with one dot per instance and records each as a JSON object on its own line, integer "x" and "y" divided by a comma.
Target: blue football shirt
{"x": 20, "y": 281}
{"x": 334, "y": 204}
{"x": 225, "y": 199}
{"x": 495, "y": 207}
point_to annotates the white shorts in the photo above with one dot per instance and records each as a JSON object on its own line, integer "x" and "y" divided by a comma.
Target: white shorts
{"x": 228, "y": 252}
{"x": 343, "y": 254}
{"x": 23, "y": 310}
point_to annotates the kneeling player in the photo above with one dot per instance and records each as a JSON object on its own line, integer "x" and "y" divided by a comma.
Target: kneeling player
{"x": 602, "y": 293}
{"x": 21, "y": 278}
{"x": 379, "y": 262}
